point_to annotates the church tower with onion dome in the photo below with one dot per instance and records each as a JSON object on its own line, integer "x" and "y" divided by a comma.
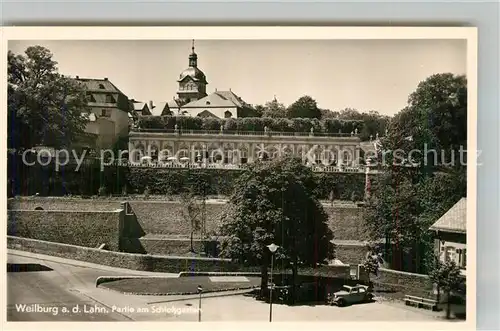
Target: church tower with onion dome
{"x": 192, "y": 81}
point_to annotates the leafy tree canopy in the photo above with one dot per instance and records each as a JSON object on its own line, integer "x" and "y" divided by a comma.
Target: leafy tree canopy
{"x": 436, "y": 115}
{"x": 274, "y": 109}
{"x": 274, "y": 202}
{"x": 44, "y": 107}
{"x": 304, "y": 107}
{"x": 405, "y": 202}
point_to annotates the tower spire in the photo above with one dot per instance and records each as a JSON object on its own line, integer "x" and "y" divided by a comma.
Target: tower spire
{"x": 193, "y": 58}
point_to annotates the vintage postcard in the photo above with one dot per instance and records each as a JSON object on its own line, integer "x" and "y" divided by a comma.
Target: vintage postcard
{"x": 244, "y": 175}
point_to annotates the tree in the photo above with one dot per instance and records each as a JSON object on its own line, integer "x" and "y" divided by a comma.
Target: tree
{"x": 436, "y": 115}
{"x": 44, "y": 107}
{"x": 447, "y": 277}
{"x": 192, "y": 213}
{"x": 259, "y": 110}
{"x": 274, "y": 202}
{"x": 373, "y": 122}
{"x": 406, "y": 201}
{"x": 370, "y": 265}
{"x": 304, "y": 107}
{"x": 274, "y": 109}
{"x": 327, "y": 113}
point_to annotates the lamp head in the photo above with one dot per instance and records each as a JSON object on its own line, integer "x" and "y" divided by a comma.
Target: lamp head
{"x": 272, "y": 247}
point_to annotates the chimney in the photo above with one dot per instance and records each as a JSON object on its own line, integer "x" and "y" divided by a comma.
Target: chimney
{"x": 77, "y": 77}
{"x": 216, "y": 89}
{"x": 105, "y": 78}
{"x": 151, "y": 105}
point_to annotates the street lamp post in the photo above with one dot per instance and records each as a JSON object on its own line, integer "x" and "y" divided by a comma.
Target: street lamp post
{"x": 272, "y": 248}
{"x": 200, "y": 289}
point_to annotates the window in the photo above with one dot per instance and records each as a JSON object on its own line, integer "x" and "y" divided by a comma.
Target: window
{"x": 208, "y": 102}
{"x": 154, "y": 153}
{"x": 102, "y": 87}
{"x": 105, "y": 112}
{"x": 449, "y": 253}
{"x": 110, "y": 98}
{"x": 462, "y": 257}
{"x": 227, "y": 114}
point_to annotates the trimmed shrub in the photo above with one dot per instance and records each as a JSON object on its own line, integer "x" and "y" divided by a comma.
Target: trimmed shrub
{"x": 300, "y": 125}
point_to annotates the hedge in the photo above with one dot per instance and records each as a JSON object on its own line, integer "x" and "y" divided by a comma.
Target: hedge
{"x": 89, "y": 180}
{"x": 328, "y": 125}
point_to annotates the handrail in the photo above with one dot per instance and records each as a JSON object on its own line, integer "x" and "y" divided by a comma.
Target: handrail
{"x": 244, "y": 133}
{"x": 176, "y": 165}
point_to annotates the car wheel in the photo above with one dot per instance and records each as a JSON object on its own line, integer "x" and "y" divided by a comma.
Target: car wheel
{"x": 369, "y": 297}
{"x": 341, "y": 303}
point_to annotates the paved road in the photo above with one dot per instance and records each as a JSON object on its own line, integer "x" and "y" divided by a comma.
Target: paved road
{"x": 69, "y": 284}
{"x": 49, "y": 291}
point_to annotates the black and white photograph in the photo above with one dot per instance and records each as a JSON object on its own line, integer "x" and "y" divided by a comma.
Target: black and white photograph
{"x": 320, "y": 176}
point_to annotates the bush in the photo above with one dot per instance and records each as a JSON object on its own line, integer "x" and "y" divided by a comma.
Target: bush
{"x": 328, "y": 125}
{"x": 89, "y": 180}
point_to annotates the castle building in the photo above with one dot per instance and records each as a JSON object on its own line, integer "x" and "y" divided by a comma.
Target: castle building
{"x": 178, "y": 148}
{"x": 192, "y": 98}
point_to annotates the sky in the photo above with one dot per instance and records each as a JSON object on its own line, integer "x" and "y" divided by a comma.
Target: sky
{"x": 361, "y": 74}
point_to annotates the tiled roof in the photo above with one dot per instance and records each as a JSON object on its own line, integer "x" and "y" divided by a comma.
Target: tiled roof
{"x": 138, "y": 106}
{"x": 454, "y": 220}
{"x": 229, "y": 95}
{"x": 94, "y": 84}
{"x": 172, "y": 104}
{"x": 214, "y": 100}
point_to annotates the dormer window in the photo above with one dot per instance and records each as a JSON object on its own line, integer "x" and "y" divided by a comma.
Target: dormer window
{"x": 101, "y": 86}
{"x": 90, "y": 97}
{"x": 208, "y": 102}
{"x": 110, "y": 99}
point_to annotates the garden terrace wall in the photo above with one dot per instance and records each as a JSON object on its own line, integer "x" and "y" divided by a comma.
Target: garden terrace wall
{"x": 61, "y": 203}
{"x": 122, "y": 260}
{"x": 158, "y": 218}
{"x": 90, "y": 229}
{"x": 350, "y": 253}
{"x": 405, "y": 282}
{"x": 165, "y": 218}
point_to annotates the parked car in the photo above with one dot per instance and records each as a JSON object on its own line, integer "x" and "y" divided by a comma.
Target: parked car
{"x": 349, "y": 295}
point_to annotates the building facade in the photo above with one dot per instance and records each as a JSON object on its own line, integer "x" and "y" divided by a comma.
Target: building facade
{"x": 451, "y": 235}
{"x": 171, "y": 148}
{"x": 109, "y": 113}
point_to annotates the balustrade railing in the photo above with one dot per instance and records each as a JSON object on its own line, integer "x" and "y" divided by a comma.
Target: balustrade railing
{"x": 188, "y": 165}
{"x": 244, "y": 133}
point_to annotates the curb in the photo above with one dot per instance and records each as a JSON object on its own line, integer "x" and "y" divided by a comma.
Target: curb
{"x": 106, "y": 279}
{"x": 216, "y": 273}
{"x": 183, "y": 293}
